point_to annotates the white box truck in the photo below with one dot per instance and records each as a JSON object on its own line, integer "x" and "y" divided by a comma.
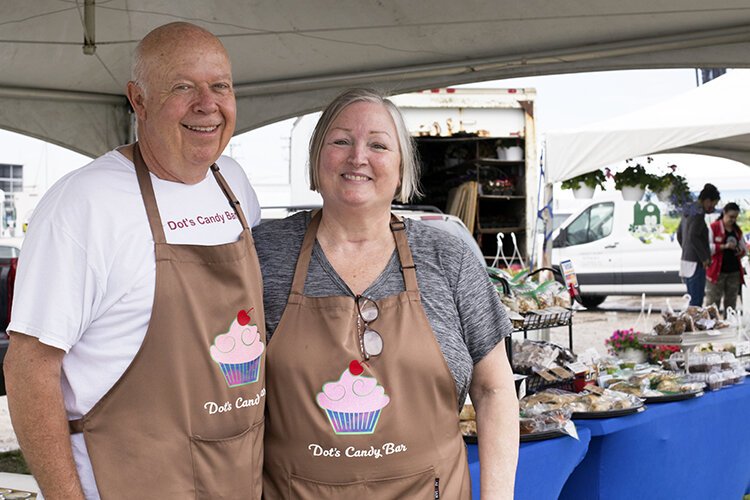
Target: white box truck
{"x": 485, "y": 136}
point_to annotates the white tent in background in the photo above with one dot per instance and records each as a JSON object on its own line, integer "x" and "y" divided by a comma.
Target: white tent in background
{"x": 65, "y": 63}
{"x": 713, "y": 119}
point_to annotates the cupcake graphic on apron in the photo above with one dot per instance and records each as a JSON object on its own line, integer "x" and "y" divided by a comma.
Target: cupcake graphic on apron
{"x": 238, "y": 351}
{"x": 353, "y": 403}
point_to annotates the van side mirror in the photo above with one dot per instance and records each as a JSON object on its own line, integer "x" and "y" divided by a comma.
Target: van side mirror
{"x": 560, "y": 240}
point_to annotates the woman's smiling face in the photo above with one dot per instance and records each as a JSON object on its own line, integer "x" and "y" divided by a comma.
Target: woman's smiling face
{"x": 360, "y": 161}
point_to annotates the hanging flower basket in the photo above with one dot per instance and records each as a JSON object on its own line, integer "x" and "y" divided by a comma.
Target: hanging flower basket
{"x": 632, "y": 193}
{"x": 583, "y": 192}
{"x": 633, "y": 181}
{"x": 584, "y": 185}
{"x": 664, "y": 194}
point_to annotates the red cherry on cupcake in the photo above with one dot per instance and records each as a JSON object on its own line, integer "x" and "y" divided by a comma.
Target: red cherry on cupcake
{"x": 355, "y": 368}
{"x": 243, "y": 318}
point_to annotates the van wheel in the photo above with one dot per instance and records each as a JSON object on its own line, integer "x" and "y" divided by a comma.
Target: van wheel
{"x": 592, "y": 301}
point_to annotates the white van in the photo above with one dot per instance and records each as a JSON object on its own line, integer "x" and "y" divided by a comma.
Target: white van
{"x": 620, "y": 247}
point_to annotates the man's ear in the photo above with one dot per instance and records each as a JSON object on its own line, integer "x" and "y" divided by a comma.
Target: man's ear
{"x": 137, "y": 98}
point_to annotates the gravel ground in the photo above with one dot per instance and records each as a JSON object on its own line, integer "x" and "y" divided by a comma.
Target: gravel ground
{"x": 7, "y": 436}
{"x": 590, "y": 329}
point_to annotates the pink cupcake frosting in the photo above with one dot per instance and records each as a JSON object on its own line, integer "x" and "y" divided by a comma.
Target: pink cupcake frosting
{"x": 352, "y": 394}
{"x": 240, "y": 345}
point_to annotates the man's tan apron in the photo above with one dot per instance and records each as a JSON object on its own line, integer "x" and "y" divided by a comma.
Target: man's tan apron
{"x": 409, "y": 448}
{"x": 172, "y": 427}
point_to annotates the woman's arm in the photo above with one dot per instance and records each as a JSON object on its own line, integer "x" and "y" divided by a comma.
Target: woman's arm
{"x": 741, "y": 246}
{"x": 715, "y": 247}
{"x": 494, "y": 397}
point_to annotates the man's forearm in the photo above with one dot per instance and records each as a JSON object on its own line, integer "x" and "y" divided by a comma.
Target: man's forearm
{"x": 39, "y": 419}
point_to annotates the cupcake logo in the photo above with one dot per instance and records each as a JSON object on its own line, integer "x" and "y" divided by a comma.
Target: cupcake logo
{"x": 353, "y": 402}
{"x": 238, "y": 352}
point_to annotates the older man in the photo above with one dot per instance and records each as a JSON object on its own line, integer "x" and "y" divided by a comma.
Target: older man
{"x": 136, "y": 363}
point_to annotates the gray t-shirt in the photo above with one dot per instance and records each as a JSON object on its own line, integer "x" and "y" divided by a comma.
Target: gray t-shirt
{"x": 458, "y": 298}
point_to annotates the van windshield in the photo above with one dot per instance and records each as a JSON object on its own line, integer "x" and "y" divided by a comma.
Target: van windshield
{"x": 593, "y": 224}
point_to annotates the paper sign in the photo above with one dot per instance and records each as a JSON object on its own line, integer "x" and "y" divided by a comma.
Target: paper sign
{"x": 595, "y": 389}
{"x": 569, "y": 274}
{"x": 562, "y": 372}
{"x": 570, "y": 429}
{"x": 577, "y": 367}
{"x": 742, "y": 348}
{"x": 546, "y": 375}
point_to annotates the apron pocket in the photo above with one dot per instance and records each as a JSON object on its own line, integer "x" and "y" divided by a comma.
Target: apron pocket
{"x": 419, "y": 485}
{"x": 229, "y": 468}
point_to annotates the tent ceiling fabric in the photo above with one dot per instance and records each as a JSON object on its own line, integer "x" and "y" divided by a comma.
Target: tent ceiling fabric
{"x": 713, "y": 119}
{"x": 291, "y": 56}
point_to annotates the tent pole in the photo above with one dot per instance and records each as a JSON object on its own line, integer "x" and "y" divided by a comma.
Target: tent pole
{"x": 547, "y": 218}
{"x": 89, "y": 27}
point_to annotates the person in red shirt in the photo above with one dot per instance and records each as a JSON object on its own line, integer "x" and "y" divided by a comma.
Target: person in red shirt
{"x": 725, "y": 275}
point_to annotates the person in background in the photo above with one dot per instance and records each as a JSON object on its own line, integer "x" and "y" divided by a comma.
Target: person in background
{"x": 725, "y": 274}
{"x": 378, "y": 327}
{"x": 136, "y": 359}
{"x": 692, "y": 234}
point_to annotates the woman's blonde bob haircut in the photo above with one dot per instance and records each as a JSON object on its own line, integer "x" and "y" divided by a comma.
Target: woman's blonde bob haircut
{"x": 409, "y": 168}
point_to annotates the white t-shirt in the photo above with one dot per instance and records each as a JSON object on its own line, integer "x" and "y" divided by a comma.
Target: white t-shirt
{"x": 85, "y": 281}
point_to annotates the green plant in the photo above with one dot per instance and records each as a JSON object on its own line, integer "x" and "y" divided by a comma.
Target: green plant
{"x": 680, "y": 190}
{"x": 13, "y": 461}
{"x": 508, "y": 142}
{"x": 634, "y": 175}
{"x": 624, "y": 339}
{"x": 590, "y": 179}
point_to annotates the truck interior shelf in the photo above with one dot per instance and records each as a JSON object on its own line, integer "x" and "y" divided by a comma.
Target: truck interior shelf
{"x": 495, "y": 230}
{"x": 501, "y": 197}
{"x": 478, "y": 160}
{"x": 496, "y": 162}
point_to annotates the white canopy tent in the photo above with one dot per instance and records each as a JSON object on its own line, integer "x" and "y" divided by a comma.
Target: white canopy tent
{"x": 713, "y": 119}
{"x": 65, "y": 63}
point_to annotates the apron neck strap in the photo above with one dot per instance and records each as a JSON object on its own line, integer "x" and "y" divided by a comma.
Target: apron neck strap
{"x": 147, "y": 193}
{"x": 305, "y": 253}
{"x": 149, "y": 199}
{"x": 408, "y": 268}
{"x": 233, "y": 201}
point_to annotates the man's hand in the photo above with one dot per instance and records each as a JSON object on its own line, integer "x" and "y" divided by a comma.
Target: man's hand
{"x": 706, "y": 263}
{"x": 32, "y": 376}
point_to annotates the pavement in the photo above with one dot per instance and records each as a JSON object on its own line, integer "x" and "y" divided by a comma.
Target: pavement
{"x": 7, "y": 436}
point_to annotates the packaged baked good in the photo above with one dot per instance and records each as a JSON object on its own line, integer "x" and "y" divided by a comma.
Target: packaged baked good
{"x": 468, "y": 427}
{"x": 468, "y": 412}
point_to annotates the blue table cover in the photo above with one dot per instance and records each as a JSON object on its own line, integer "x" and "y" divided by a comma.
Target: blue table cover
{"x": 694, "y": 449}
{"x": 543, "y": 466}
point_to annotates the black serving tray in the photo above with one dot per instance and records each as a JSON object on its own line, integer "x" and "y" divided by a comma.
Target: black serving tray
{"x": 678, "y": 396}
{"x": 590, "y": 415}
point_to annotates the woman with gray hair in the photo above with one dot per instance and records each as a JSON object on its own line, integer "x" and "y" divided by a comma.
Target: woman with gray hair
{"x": 378, "y": 329}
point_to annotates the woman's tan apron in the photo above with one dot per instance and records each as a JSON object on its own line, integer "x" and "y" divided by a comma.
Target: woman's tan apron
{"x": 172, "y": 427}
{"x": 411, "y": 449}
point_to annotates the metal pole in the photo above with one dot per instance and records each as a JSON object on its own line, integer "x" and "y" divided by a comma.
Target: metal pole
{"x": 89, "y": 28}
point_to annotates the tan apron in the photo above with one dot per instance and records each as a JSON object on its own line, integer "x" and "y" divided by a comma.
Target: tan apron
{"x": 341, "y": 428}
{"x": 179, "y": 424}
